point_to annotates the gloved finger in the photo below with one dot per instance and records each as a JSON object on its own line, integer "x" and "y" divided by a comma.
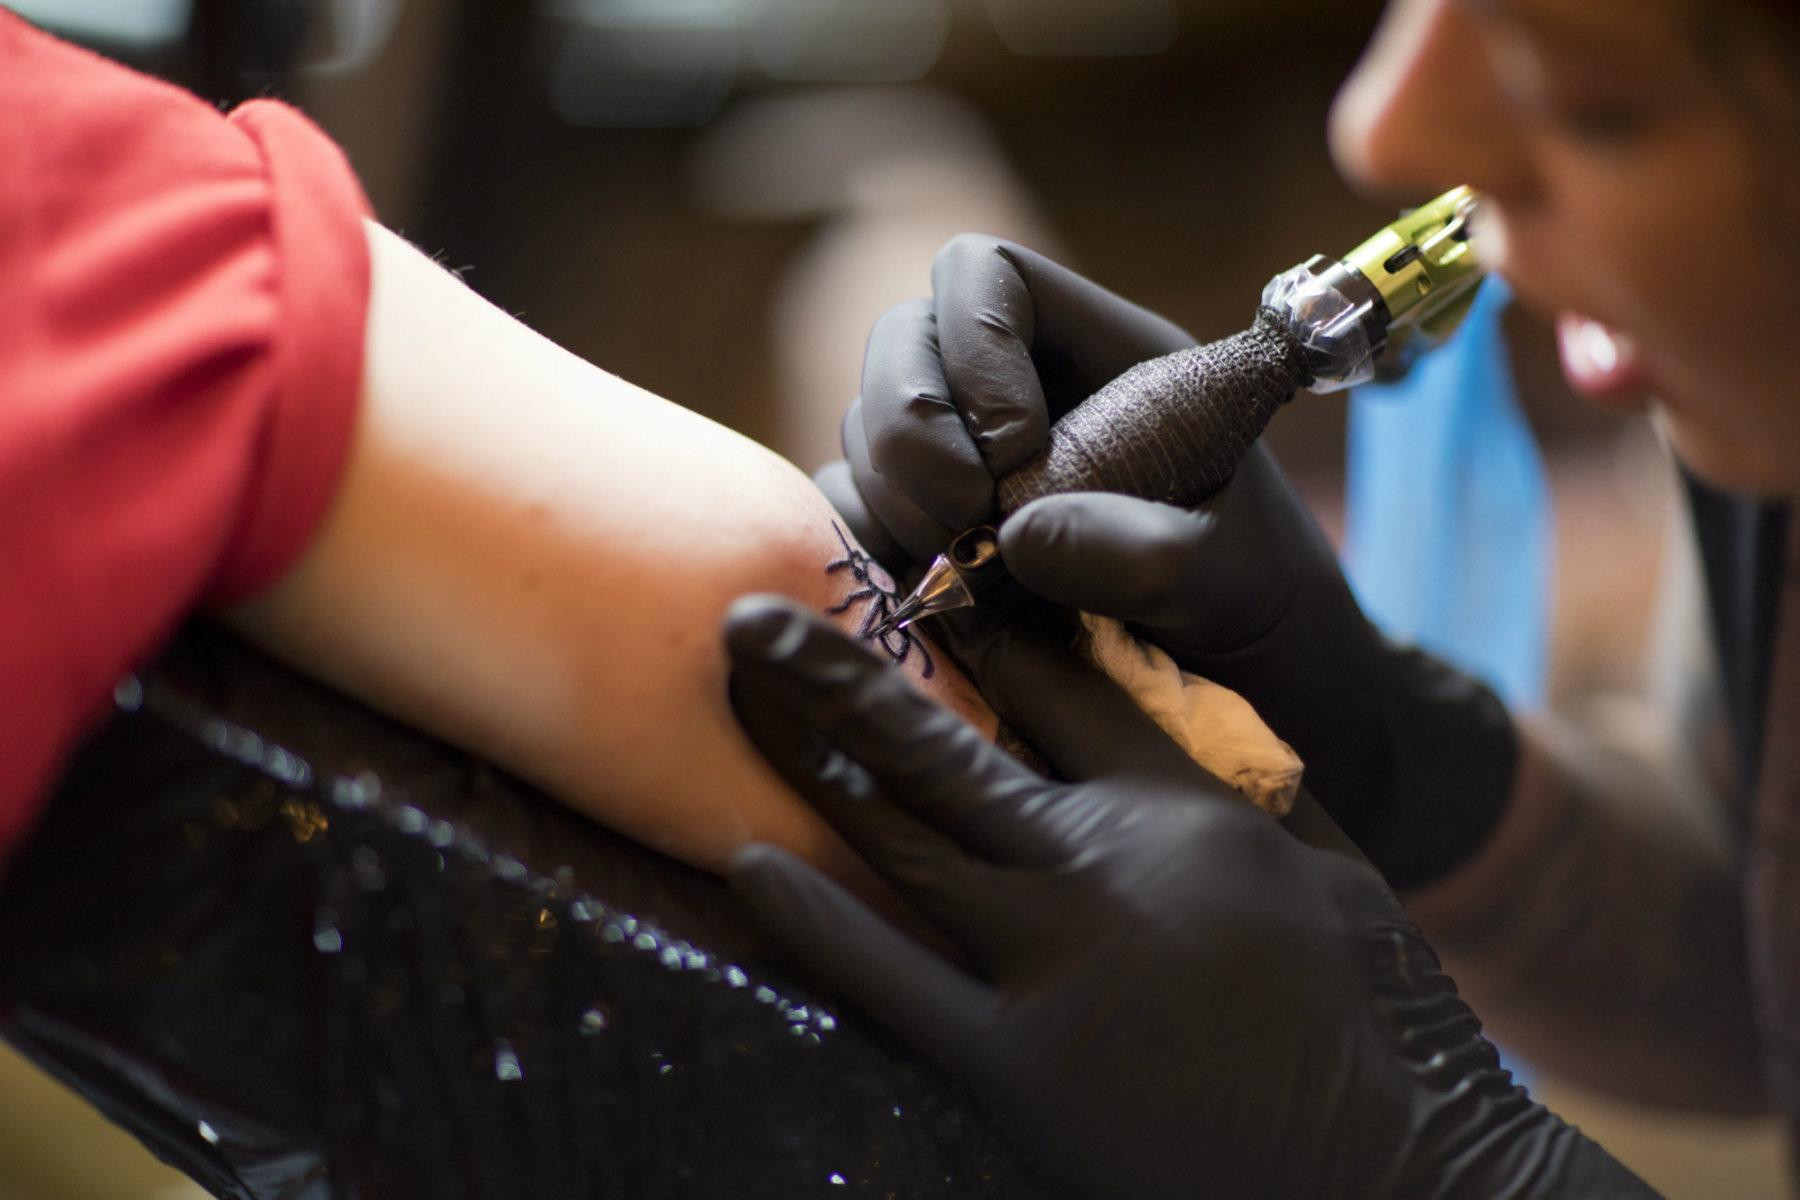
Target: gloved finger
{"x": 912, "y": 750}
{"x": 1025, "y": 339}
{"x": 916, "y": 437}
{"x": 855, "y": 954}
{"x": 986, "y": 319}
{"x": 951, "y": 889}
{"x": 1138, "y": 561}
{"x": 917, "y": 532}
{"x": 1311, "y": 825}
{"x": 835, "y": 481}
{"x": 1083, "y": 724}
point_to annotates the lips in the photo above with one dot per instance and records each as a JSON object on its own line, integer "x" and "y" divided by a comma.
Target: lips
{"x": 1601, "y": 363}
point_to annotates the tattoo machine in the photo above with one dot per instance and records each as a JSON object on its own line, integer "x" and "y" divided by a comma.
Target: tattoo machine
{"x": 1175, "y": 428}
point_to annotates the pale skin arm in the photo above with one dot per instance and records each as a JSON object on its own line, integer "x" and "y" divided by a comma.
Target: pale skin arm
{"x": 1600, "y": 933}
{"x": 530, "y": 558}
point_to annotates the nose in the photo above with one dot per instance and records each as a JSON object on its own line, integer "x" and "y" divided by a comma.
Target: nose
{"x": 1423, "y": 111}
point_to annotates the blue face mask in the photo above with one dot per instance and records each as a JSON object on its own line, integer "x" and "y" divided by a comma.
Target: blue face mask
{"x": 1448, "y": 538}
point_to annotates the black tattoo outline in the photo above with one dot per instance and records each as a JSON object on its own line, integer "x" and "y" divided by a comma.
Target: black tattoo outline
{"x": 879, "y": 602}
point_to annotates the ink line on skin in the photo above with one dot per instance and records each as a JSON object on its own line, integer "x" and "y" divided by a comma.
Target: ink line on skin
{"x": 878, "y": 594}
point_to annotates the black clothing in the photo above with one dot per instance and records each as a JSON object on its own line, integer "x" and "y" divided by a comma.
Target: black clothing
{"x": 1741, "y": 546}
{"x": 386, "y": 970}
{"x": 1752, "y": 569}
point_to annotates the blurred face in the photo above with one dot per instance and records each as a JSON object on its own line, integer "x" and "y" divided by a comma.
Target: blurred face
{"x": 1641, "y": 190}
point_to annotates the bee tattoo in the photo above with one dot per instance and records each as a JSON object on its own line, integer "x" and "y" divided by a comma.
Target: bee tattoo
{"x": 877, "y": 594}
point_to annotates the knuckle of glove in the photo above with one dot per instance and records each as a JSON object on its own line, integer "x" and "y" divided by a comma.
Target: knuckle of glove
{"x": 971, "y": 255}
{"x": 928, "y": 456}
{"x": 1012, "y": 426}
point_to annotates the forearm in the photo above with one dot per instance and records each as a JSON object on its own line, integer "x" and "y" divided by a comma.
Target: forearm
{"x": 531, "y": 557}
{"x": 1599, "y": 932}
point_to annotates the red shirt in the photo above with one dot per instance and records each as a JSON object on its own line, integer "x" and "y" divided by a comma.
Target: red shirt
{"x": 182, "y": 296}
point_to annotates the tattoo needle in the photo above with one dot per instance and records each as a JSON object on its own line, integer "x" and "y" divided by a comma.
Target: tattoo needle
{"x": 953, "y": 579}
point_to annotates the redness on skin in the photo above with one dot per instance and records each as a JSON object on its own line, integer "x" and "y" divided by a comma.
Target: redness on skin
{"x": 877, "y": 594}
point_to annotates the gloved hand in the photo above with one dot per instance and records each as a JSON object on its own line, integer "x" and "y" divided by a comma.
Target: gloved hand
{"x": 962, "y": 388}
{"x": 1166, "y": 994}
{"x": 1413, "y": 759}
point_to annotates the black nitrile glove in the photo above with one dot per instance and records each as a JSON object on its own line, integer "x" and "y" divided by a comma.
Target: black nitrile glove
{"x": 1412, "y": 758}
{"x": 1166, "y": 995}
{"x": 960, "y": 389}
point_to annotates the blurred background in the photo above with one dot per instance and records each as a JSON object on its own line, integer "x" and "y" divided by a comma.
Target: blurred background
{"x": 715, "y": 198}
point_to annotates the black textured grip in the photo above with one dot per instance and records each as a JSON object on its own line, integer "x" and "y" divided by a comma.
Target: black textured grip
{"x": 1173, "y": 428}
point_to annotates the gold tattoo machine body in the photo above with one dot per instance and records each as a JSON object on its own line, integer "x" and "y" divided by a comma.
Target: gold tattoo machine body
{"x": 1175, "y": 428}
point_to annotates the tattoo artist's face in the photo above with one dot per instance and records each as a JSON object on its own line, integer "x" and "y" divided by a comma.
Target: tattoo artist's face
{"x": 1643, "y": 193}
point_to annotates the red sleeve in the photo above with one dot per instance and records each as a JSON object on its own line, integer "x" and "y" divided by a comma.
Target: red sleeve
{"x": 182, "y": 297}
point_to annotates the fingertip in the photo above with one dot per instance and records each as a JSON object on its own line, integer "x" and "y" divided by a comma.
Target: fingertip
{"x": 755, "y": 866}
{"x": 1039, "y": 521}
{"x": 835, "y": 481}
{"x": 764, "y": 626}
{"x": 766, "y": 632}
{"x": 908, "y": 315}
{"x": 791, "y": 900}
{"x": 838, "y": 481}
{"x": 917, "y": 532}
{"x": 1043, "y": 546}
{"x": 964, "y": 252}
